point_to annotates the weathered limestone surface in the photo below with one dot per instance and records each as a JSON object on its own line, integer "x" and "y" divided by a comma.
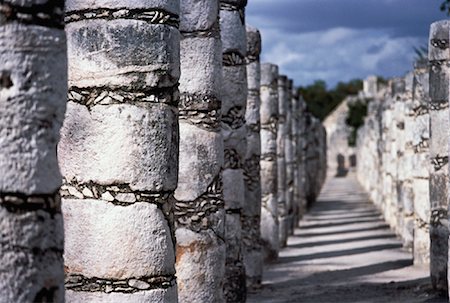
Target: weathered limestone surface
{"x": 119, "y": 150}
{"x": 251, "y": 212}
{"x": 290, "y": 161}
{"x": 338, "y": 132}
{"x": 405, "y": 132}
{"x": 420, "y": 172}
{"x": 302, "y": 143}
{"x": 315, "y": 158}
{"x": 392, "y": 153}
{"x": 269, "y": 173}
{"x": 282, "y": 136}
{"x": 33, "y": 88}
{"x": 199, "y": 209}
{"x": 296, "y": 157}
{"x": 234, "y": 102}
{"x": 439, "y": 58}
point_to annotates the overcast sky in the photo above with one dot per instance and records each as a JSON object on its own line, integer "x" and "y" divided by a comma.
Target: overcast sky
{"x": 339, "y": 40}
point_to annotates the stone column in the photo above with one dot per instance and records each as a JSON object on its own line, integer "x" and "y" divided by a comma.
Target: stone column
{"x": 311, "y": 159}
{"x": 439, "y": 57}
{"x": 119, "y": 150}
{"x": 234, "y": 49}
{"x": 251, "y": 213}
{"x": 301, "y": 150}
{"x": 269, "y": 172}
{"x": 281, "y": 159}
{"x": 290, "y": 161}
{"x": 420, "y": 173}
{"x": 406, "y": 167}
{"x": 199, "y": 209}
{"x": 398, "y": 155}
{"x": 33, "y": 88}
{"x": 296, "y": 164}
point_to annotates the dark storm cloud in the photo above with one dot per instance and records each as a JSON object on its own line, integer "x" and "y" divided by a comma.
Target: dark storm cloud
{"x": 402, "y": 17}
{"x": 338, "y": 40}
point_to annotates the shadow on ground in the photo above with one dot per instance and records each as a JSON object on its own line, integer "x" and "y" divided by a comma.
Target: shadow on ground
{"x": 345, "y": 252}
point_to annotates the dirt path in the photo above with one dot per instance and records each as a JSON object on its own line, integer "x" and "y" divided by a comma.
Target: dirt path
{"x": 344, "y": 252}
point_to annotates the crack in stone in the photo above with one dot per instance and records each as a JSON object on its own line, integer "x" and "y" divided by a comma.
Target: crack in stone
{"x": 197, "y": 214}
{"x": 200, "y": 110}
{"x": 117, "y": 194}
{"x": 272, "y": 126}
{"x": 76, "y": 282}
{"x": 437, "y": 216}
{"x": 233, "y": 58}
{"x": 21, "y": 203}
{"x": 420, "y": 110}
{"x": 93, "y": 96}
{"x": 422, "y": 147}
{"x": 235, "y": 117}
{"x": 212, "y": 32}
{"x": 439, "y": 162}
{"x": 254, "y": 128}
{"x": 49, "y": 14}
{"x": 149, "y": 15}
{"x": 252, "y": 169}
{"x": 232, "y": 159}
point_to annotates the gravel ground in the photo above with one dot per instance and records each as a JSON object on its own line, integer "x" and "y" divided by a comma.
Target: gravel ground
{"x": 344, "y": 252}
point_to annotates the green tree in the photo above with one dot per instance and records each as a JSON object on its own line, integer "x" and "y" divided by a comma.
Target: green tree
{"x": 355, "y": 119}
{"x": 321, "y": 101}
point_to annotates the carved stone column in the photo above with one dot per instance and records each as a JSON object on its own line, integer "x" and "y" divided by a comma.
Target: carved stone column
{"x": 252, "y": 211}
{"x": 421, "y": 160}
{"x": 290, "y": 160}
{"x": 282, "y": 136}
{"x": 439, "y": 60}
{"x": 33, "y": 88}
{"x": 269, "y": 172}
{"x": 119, "y": 150}
{"x": 199, "y": 209}
{"x": 296, "y": 153}
{"x": 234, "y": 100}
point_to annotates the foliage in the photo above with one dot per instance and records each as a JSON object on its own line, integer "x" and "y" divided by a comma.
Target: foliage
{"x": 421, "y": 52}
{"x": 355, "y": 119}
{"x": 321, "y": 101}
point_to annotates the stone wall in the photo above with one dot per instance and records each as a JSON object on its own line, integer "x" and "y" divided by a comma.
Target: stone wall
{"x": 402, "y": 153}
{"x": 392, "y": 158}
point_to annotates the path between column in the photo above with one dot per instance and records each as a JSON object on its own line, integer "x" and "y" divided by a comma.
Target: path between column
{"x": 344, "y": 252}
